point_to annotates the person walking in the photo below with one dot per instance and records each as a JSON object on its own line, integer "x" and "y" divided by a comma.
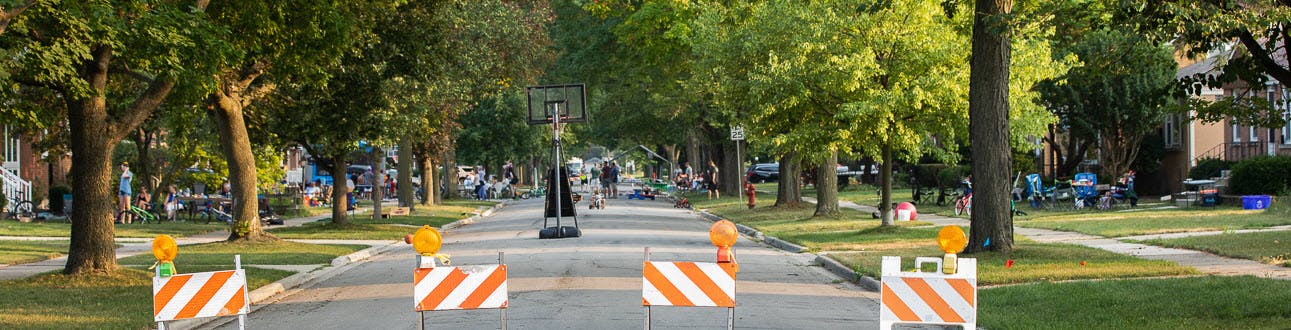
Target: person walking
{"x": 710, "y": 179}
{"x": 595, "y": 178}
{"x": 123, "y": 194}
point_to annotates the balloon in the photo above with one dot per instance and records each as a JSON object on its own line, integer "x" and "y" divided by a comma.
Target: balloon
{"x": 951, "y": 239}
{"x": 164, "y": 248}
{"x": 426, "y": 241}
{"x": 723, "y": 234}
{"x": 407, "y": 239}
{"x": 906, "y": 207}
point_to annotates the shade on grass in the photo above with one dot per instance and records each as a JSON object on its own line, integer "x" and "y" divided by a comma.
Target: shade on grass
{"x": 62, "y": 229}
{"x": 1242, "y": 302}
{"x": 20, "y": 252}
{"x": 253, "y": 253}
{"x": 1270, "y": 247}
{"x": 1119, "y": 224}
{"x": 1032, "y": 262}
{"x": 328, "y": 230}
{"x": 116, "y": 300}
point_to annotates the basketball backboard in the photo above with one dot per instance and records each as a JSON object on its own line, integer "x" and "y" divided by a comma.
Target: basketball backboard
{"x": 570, "y": 99}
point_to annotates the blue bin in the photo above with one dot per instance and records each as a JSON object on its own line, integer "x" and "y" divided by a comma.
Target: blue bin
{"x": 1256, "y": 202}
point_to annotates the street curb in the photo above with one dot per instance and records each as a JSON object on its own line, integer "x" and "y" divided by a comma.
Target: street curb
{"x": 274, "y": 291}
{"x": 833, "y": 266}
{"x": 867, "y": 283}
{"x": 475, "y": 218}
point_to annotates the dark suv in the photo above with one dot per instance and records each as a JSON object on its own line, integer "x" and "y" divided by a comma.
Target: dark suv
{"x": 765, "y": 172}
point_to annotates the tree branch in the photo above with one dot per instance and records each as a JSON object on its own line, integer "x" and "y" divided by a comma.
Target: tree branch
{"x": 1262, "y": 57}
{"x": 8, "y": 15}
{"x": 144, "y": 106}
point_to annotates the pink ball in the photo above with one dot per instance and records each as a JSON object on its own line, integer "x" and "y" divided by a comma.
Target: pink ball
{"x": 903, "y": 208}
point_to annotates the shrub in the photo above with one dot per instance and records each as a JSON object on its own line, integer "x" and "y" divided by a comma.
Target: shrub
{"x": 1263, "y": 175}
{"x": 56, "y": 198}
{"x": 4, "y": 202}
{"x": 1209, "y": 168}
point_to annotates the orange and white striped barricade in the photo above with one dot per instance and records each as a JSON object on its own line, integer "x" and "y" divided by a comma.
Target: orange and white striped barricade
{"x": 198, "y": 295}
{"x": 441, "y": 288}
{"x": 688, "y": 284}
{"x": 928, "y": 298}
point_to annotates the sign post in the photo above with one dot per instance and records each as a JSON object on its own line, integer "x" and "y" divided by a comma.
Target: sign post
{"x": 737, "y": 135}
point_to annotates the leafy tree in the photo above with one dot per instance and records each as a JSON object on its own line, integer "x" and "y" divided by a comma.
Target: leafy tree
{"x": 988, "y": 126}
{"x": 1120, "y": 93}
{"x": 7, "y": 15}
{"x": 113, "y": 63}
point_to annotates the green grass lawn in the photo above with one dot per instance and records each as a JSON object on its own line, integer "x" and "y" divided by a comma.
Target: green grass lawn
{"x": 21, "y": 252}
{"x": 1270, "y": 247}
{"x": 253, "y": 253}
{"x": 1033, "y": 262}
{"x": 1119, "y": 224}
{"x": 362, "y": 229}
{"x": 116, "y": 300}
{"x": 62, "y": 229}
{"x": 1214, "y": 302}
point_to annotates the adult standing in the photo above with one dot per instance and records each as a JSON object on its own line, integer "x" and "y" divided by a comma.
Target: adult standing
{"x": 614, "y": 180}
{"x": 710, "y": 179}
{"x": 123, "y": 194}
{"x": 595, "y": 178}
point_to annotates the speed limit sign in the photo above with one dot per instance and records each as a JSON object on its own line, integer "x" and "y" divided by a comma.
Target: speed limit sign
{"x": 737, "y": 133}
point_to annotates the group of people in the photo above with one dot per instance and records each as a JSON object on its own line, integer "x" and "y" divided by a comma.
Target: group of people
{"x": 686, "y": 180}
{"x": 482, "y": 184}
{"x": 144, "y": 199}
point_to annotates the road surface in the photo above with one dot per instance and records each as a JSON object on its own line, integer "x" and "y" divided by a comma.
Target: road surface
{"x": 592, "y": 282}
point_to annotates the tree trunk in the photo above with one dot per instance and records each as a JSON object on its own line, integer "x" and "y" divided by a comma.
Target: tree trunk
{"x": 885, "y": 186}
{"x": 405, "y": 173}
{"x": 430, "y": 182}
{"x": 236, "y": 145}
{"x": 143, "y": 145}
{"x": 827, "y": 186}
{"x": 788, "y": 193}
{"x": 730, "y": 181}
{"x": 988, "y": 127}
{"x": 449, "y": 177}
{"x": 378, "y": 180}
{"x": 94, "y": 194}
{"x": 693, "y": 157}
{"x": 336, "y": 166}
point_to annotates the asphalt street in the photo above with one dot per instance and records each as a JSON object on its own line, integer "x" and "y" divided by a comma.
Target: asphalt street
{"x": 592, "y": 282}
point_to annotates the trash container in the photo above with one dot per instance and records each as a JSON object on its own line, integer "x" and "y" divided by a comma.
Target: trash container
{"x": 1256, "y": 202}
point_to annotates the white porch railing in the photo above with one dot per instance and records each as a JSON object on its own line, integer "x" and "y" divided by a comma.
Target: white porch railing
{"x": 15, "y": 188}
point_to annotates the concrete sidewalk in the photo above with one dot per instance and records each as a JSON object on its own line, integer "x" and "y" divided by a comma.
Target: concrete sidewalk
{"x": 1202, "y": 261}
{"x": 131, "y": 246}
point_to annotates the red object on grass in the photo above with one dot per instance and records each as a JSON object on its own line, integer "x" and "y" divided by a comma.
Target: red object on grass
{"x": 1008, "y": 264}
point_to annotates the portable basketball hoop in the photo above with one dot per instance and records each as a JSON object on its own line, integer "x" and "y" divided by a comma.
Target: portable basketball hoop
{"x": 556, "y": 105}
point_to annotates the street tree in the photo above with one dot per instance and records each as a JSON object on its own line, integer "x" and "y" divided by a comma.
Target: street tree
{"x": 1121, "y": 92}
{"x": 988, "y": 126}
{"x": 113, "y": 63}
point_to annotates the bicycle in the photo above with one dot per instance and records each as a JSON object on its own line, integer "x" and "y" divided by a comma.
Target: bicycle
{"x": 21, "y": 210}
{"x": 144, "y": 216}
{"x": 535, "y": 192}
{"x": 964, "y": 205}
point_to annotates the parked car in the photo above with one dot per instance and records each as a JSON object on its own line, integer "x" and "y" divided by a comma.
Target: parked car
{"x": 770, "y": 172}
{"x": 765, "y": 172}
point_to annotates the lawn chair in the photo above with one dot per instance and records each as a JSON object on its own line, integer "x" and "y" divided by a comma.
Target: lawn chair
{"x": 1086, "y": 186}
{"x": 1036, "y": 192}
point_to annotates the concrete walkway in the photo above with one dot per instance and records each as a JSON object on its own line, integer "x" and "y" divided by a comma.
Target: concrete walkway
{"x": 1204, "y": 262}
{"x": 131, "y": 246}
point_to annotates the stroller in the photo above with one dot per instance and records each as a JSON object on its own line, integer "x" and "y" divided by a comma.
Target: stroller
{"x": 1085, "y": 185}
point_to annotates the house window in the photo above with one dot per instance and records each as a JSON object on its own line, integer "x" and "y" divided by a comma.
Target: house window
{"x": 1237, "y": 130}
{"x": 1285, "y": 105}
{"x": 1171, "y": 131}
{"x": 11, "y": 149}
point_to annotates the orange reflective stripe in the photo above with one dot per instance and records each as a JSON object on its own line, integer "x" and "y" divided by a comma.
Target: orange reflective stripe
{"x": 930, "y": 297}
{"x": 665, "y": 287}
{"x": 420, "y": 273}
{"x": 167, "y": 292}
{"x": 441, "y": 292}
{"x": 235, "y": 304}
{"x": 486, "y": 288}
{"x": 204, "y": 295}
{"x": 705, "y": 284}
{"x": 964, "y": 288}
{"x": 898, "y": 306}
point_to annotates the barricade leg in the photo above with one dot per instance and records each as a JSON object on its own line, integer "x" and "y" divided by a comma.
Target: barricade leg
{"x": 730, "y": 318}
{"x": 647, "y": 308}
{"x": 242, "y": 318}
{"x": 504, "y": 310}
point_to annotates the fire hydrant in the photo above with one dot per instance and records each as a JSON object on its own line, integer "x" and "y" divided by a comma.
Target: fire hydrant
{"x": 751, "y": 193}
